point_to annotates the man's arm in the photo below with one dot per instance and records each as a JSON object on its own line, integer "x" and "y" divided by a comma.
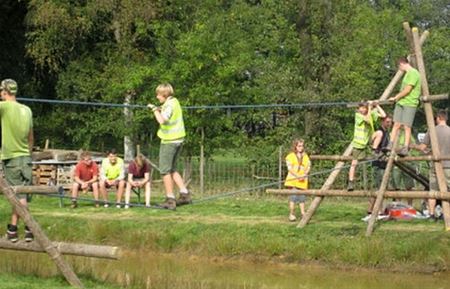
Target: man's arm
{"x": 380, "y": 111}
{"x": 159, "y": 118}
{"x": 406, "y": 90}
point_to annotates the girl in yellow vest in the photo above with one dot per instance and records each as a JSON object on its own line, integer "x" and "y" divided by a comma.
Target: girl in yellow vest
{"x": 298, "y": 165}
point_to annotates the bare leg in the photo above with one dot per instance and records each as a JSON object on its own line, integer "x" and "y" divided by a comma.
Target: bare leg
{"x": 168, "y": 185}
{"x": 431, "y": 206}
{"x": 376, "y": 139}
{"x": 291, "y": 208}
{"x": 351, "y": 172}
{"x": 395, "y": 130}
{"x": 127, "y": 193}
{"x": 302, "y": 208}
{"x": 120, "y": 190}
{"x": 407, "y": 135}
{"x": 15, "y": 217}
{"x": 103, "y": 190}
{"x": 75, "y": 187}
{"x": 147, "y": 193}
{"x": 95, "y": 190}
{"x": 179, "y": 181}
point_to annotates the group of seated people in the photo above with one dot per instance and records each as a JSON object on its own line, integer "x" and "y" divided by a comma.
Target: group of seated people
{"x": 111, "y": 174}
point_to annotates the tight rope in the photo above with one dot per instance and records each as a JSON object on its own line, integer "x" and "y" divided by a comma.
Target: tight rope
{"x": 195, "y": 107}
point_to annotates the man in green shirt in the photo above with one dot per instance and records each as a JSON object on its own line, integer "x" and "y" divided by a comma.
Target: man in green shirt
{"x": 17, "y": 143}
{"x": 406, "y": 103}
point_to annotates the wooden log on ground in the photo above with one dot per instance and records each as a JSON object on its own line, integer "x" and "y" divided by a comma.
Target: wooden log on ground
{"x": 85, "y": 250}
{"x": 44, "y": 155}
{"x": 438, "y": 166}
{"x": 37, "y": 189}
{"x": 397, "y": 159}
{"x": 361, "y": 193}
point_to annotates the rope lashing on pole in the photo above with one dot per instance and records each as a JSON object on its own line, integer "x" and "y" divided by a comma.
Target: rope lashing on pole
{"x": 249, "y": 189}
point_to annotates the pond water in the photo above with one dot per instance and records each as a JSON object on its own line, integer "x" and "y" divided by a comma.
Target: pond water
{"x": 148, "y": 270}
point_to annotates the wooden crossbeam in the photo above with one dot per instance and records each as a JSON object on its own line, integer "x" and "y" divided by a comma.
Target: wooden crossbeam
{"x": 428, "y": 98}
{"x": 361, "y": 193}
{"x": 85, "y": 250}
{"x": 397, "y": 159}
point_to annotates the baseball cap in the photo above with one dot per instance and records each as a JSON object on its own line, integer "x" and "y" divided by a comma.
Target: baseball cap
{"x": 9, "y": 85}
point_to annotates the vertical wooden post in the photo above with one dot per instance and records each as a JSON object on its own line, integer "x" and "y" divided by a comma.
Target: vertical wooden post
{"x": 138, "y": 149}
{"x": 409, "y": 38}
{"x": 47, "y": 144}
{"x": 438, "y": 166}
{"x": 280, "y": 166}
{"x": 40, "y": 236}
{"x": 202, "y": 163}
{"x": 382, "y": 189}
{"x": 365, "y": 180}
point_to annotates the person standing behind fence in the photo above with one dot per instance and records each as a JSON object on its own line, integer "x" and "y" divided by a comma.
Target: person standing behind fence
{"x": 112, "y": 174}
{"x": 298, "y": 165}
{"x": 17, "y": 144}
{"x": 138, "y": 177}
{"x": 172, "y": 134}
{"x": 85, "y": 178}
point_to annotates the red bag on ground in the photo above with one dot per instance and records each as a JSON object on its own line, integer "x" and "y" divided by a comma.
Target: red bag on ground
{"x": 399, "y": 211}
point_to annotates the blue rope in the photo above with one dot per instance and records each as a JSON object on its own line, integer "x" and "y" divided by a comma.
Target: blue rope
{"x": 193, "y": 107}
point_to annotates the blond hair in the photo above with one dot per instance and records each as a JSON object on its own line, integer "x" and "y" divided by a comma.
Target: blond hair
{"x": 165, "y": 89}
{"x": 295, "y": 142}
{"x": 140, "y": 160}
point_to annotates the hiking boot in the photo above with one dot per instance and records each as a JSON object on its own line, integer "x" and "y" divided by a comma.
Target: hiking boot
{"x": 403, "y": 152}
{"x": 11, "y": 233}
{"x": 350, "y": 186}
{"x": 74, "y": 204}
{"x": 29, "y": 237}
{"x": 169, "y": 203}
{"x": 292, "y": 218}
{"x": 184, "y": 199}
{"x": 118, "y": 206}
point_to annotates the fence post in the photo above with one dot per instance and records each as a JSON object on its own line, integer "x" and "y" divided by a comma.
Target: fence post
{"x": 202, "y": 163}
{"x": 365, "y": 182}
{"x": 280, "y": 166}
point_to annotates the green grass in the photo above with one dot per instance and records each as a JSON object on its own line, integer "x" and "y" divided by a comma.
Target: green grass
{"x": 255, "y": 228}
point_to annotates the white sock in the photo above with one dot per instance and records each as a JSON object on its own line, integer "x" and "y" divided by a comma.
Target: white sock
{"x": 183, "y": 191}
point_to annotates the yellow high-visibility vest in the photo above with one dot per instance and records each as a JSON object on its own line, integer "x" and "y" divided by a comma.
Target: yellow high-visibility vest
{"x": 299, "y": 167}
{"x": 173, "y": 128}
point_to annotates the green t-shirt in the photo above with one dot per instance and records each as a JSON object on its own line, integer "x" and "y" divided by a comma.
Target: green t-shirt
{"x": 16, "y": 122}
{"x": 363, "y": 130}
{"x": 412, "y": 77}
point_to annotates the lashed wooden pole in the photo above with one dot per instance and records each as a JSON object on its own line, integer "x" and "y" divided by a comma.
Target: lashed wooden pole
{"x": 398, "y": 159}
{"x": 382, "y": 190}
{"x": 40, "y": 236}
{"x": 438, "y": 166}
{"x": 362, "y": 193}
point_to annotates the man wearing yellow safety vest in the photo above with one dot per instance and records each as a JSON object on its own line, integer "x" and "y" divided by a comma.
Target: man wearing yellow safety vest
{"x": 364, "y": 128}
{"x": 171, "y": 133}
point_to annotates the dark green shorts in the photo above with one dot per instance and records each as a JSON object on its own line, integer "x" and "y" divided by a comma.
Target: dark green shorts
{"x": 168, "y": 156}
{"x": 19, "y": 172}
{"x": 358, "y": 154}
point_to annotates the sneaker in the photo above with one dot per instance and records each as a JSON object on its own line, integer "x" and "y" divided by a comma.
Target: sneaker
{"x": 74, "y": 204}
{"x": 350, "y": 186}
{"x": 11, "y": 233}
{"x": 97, "y": 205}
{"x": 148, "y": 206}
{"x": 403, "y": 152}
{"x": 292, "y": 218}
{"x": 118, "y": 206}
{"x": 126, "y": 206}
{"x": 169, "y": 203}
{"x": 29, "y": 237}
{"x": 184, "y": 199}
{"x": 106, "y": 205}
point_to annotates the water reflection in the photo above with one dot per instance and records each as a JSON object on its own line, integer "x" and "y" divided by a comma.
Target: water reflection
{"x": 156, "y": 271}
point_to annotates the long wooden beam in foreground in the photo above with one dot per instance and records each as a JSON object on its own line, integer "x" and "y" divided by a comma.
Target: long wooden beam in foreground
{"x": 422, "y": 98}
{"x": 359, "y": 193}
{"x": 106, "y": 252}
{"x": 397, "y": 159}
